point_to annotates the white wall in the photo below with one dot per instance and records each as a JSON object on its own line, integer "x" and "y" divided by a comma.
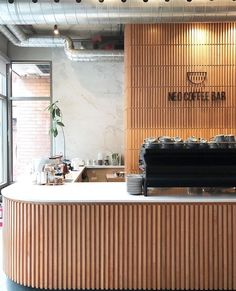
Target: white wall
{"x": 91, "y": 99}
{"x": 3, "y": 54}
{"x": 3, "y": 44}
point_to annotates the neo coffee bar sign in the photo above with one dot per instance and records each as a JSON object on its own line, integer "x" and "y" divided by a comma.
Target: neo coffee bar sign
{"x": 197, "y": 79}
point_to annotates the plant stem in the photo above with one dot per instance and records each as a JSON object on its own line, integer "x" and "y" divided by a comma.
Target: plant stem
{"x": 64, "y": 142}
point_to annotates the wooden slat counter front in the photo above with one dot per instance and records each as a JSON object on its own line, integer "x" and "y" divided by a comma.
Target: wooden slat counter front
{"x": 96, "y": 236}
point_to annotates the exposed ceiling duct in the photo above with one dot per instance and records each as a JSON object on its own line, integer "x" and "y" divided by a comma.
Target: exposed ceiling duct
{"x": 114, "y": 11}
{"x": 19, "y": 38}
{"x": 95, "y": 12}
{"x": 92, "y": 55}
{"x": 17, "y": 32}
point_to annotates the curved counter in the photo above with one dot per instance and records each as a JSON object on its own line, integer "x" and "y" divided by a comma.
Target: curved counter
{"x": 103, "y": 192}
{"x": 97, "y": 236}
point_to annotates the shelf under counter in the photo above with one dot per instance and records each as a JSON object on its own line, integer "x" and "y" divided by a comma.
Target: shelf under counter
{"x": 75, "y": 176}
{"x": 99, "y": 173}
{"x": 119, "y": 167}
{"x": 95, "y": 173}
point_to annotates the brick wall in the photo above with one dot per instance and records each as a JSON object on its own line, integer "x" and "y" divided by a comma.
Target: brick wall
{"x": 31, "y": 124}
{"x": 30, "y": 86}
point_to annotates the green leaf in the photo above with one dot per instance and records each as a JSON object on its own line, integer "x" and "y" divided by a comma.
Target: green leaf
{"x": 54, "y": 103}
{"x": 53, "y": 113}
{"x": 56, "y": 117}
{"x": 60, "y": 123}
{"x": 50, "y": 107}
{"x": 58, "y": 112}
{"x": 55, "y": 132}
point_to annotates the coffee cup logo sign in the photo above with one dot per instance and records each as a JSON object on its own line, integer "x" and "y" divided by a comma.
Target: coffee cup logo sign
{"x": 197, "y": 80}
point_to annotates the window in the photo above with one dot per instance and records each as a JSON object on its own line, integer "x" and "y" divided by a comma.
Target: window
{"x": 2, "y": 85}
{"x": 31, "y": 94}
{"x": 3, "y": 131}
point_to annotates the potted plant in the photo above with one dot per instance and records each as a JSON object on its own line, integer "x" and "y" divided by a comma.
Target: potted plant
{"x": 56, "y": 124}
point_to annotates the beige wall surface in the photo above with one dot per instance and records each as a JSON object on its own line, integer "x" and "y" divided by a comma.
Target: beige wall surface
{"x": 91, "y": 99}
{"x": 192, "y": 62}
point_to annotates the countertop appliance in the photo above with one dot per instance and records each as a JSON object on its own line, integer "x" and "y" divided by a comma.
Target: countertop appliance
{"x": 189, "y": 163}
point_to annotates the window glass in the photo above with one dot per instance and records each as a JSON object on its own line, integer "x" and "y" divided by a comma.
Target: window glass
{"x": 31, "y": 89}
{"x": 31, "y": 80}
{"x": 3, "y": 142}
{"x": 31, "y": 140}
{"x": 2, "y": 85}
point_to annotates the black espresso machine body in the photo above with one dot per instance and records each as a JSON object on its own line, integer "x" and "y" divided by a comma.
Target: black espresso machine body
{"x": 187, "y": 166}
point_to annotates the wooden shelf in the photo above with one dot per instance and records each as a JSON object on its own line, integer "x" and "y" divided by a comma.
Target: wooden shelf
{"x": 114, "y": 178}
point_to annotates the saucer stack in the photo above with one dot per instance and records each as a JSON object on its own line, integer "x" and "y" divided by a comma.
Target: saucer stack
{"x": 134, "y": 184}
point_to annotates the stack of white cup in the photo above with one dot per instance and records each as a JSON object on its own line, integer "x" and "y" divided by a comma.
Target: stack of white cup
{"x": 134, "y": 184}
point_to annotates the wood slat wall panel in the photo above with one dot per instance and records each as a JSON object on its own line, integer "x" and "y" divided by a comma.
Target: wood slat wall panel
{"x": 121, "y": 246}
{"x": 157, "y": 58}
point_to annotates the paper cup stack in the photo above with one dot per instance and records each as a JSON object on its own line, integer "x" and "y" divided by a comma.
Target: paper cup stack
{"x": 134, "y": 184}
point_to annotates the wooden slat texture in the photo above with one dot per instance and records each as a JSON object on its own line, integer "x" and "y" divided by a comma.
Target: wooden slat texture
{"x": 157, "y": 59}
{"x": 121, "y": 246}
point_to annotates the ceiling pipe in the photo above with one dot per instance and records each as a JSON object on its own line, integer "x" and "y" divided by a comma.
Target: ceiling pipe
{"x": 17, "y": 32}
{"x": 114, "y": 12}
{"x": 14, "y": 34}
{"x": 6, "y": 32}
{"x": 92, "y": 55}
{"x": 32, "y": 41}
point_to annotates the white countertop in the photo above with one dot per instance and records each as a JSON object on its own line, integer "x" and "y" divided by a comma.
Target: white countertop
{"x": 100, "y": 192}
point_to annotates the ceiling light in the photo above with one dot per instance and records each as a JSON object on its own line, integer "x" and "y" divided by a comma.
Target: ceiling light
{"x": 34, "y": 1}
{"x": 100, "y": 1}
{"x": 123, "y": 1}
{"x": 55, "y": 30}
{"x": 78, "y": 1}
{"x": 145, "y": 0}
